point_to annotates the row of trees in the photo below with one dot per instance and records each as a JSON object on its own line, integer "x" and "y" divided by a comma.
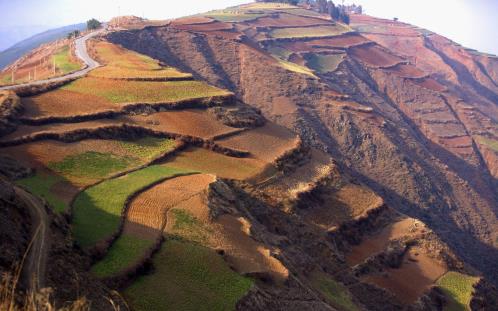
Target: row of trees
{"x": 73, "y": 34}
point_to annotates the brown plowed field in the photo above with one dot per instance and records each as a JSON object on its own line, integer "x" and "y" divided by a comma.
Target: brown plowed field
{"x": 192, "y": 122}
{"x": 416, "y": 275}
{"x": 374, "y": 56}
{"x": 266, "y": 143}
{"x": 232, "y": 235}
{"x": 211, "y": 26}
{"x": 207, "y": 161}
{"x": 64, "y": 103}
{"x": 25, "y": 130}
{"x": 378, "y": 242}
{"x": 288, "y": 20}
{"x": 349, "y": 202}
{"x": 191, "y": 20}
{"x": 146, "y": 215}
{"x": 407, "y": 71}
{"x": 431, "y": 84}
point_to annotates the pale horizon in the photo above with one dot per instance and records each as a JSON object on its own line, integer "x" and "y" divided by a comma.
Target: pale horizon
{"x": 470, "y": 23}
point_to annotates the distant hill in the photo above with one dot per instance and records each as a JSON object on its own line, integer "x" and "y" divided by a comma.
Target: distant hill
{"x": 10, "y": 35}
{"x": 11, "y": 54}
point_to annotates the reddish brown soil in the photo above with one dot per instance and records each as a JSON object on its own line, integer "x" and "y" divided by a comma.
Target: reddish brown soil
{"x": 266, "y": 143}
{"x": 211, "y": 26}
{"x": 64, "y": 103}
{"x": 146, "y": 216}
{"x": 374, "y": 56}
{"x": 431, "y": 84}
{"x": 378, "y": 242}
{"x": 191, "y": 20}
{"x": 192, "y": 122}
{"x": 417, "y": 274}
{"x": 407, "y": 71}
{"x": 288, "y": 20}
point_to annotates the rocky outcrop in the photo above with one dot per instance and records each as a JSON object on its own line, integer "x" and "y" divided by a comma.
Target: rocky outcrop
{"x": 10, "y": 109}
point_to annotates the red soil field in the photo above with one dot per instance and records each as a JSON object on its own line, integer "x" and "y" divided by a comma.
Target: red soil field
{"x": 415, "y": 276}
{"x": 211, "y": 26}
{"x": 64, "y": 103}
{"x": 340, "y": 41}
{"x": 146, "y": 216}
{"x": 288, "y": 20}
{"x": 266, "y": 143}
{"x": 210, "y": 162}
{"x": 374, "y": 56}
{"x": 192, "y": 122}
{"x": 407, "y": 71}
{"x": 349, "y": 202}
{"x": 378, "y": 242}
{"x": 191, "y": 20}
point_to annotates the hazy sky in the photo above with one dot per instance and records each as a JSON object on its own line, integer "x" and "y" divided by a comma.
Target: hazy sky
{"x": 473, "y": 23}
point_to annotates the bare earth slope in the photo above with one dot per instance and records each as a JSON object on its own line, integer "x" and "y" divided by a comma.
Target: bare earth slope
{"x": 409, "y": 113}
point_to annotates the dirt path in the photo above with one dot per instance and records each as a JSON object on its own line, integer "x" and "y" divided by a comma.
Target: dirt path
{"x": 36, "y": 261}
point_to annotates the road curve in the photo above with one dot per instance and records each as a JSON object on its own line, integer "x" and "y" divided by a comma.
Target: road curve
{"x": 81, "y": 53}
{"x": 36, "y": 261}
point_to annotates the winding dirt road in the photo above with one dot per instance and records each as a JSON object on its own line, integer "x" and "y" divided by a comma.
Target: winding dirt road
{"x": 36, "y": 261}
{"x": 81, "y": 53}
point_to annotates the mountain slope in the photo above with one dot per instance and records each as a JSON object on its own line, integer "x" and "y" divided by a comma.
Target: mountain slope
{"x": 17, "y": 50}
{"x": 420, "y": 131}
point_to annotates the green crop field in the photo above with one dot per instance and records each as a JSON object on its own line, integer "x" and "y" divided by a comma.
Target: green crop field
{"x": 41, "y": 185}
{"x": 139, "y": 91}
{"x": 124, "y": 252}
{"x": 324, "y": 63}
{"x": 189, "y": 277}
{"x": 335, "y": 292}
{"x": 279, "y": 51}
{"x": 458, "y": 288}
{"x": 91, "y": 165}
{"x": 148, "y": 148}
{"x": 305, "y": 32}
{"x": 190, "y": 228}
{"x": 97, "y": 210}
{"x": 63, "y": 61}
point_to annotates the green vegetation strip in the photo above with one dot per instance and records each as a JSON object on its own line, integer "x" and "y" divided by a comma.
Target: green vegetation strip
{"x": 335, "y": 292}
{"x": 324, "y": 63}
{"x": 187, "y": 276}
{"x": 142, "y": 91}
{"x": 491, "y": 143}
{"x": 41, "y": 185}
{"x": 91, "y": 164}
{"x": 124, "y": 252}
{"x": 458, "y": 288}
{"x": 63, "y": 60}
{"x": 232, "y": 17}
{"x": 97, "y": 210}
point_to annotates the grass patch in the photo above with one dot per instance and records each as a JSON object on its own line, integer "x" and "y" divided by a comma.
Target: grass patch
{"x": 97, "y": 210}
{"x": 190, "y": 228}
{"x": 279, "y": 52}
{"x": 188, "y": 277}
{"x": 295, "y": 67}
{"x": 491, "y": 143}
{"x": 458, "y": 288}
{"x": 324, "y": 63}
{"x": 41, "y": 186}
{"x": 335, "y": 292}
{"x": 64, "y": 62}
{"x": 140, "y": 91}
{"x": 301, "y": 12}
{"x": 304, "y": 32}
{"x": 91, "y": 165}
{"x": 124, "y": 252}
{"x": 148, "y": 147}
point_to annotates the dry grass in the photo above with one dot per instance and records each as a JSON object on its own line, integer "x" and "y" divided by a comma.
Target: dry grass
{"x": 122, "y": 63}
{"x": 138, "y": 91}
{"x": 309, "y": 32}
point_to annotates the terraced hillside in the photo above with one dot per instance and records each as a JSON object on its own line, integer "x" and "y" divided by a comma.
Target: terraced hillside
{"x": 405, "y": 111}
{"x": 263, "y": 157}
